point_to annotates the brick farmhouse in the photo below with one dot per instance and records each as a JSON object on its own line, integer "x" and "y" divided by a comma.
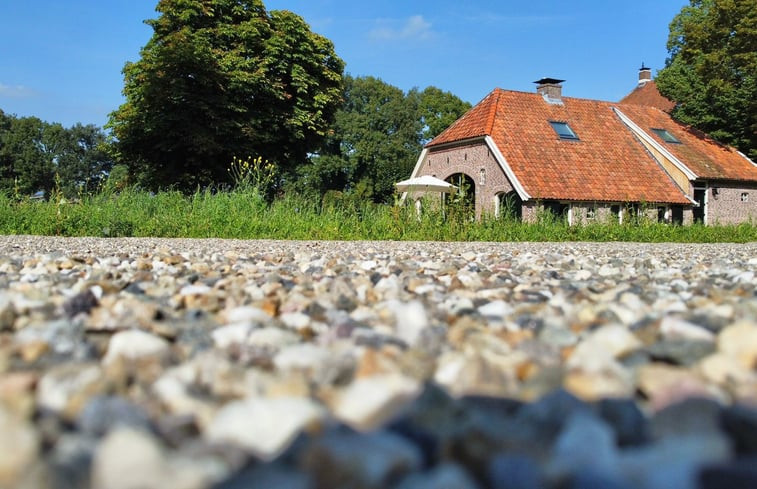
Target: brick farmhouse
{"x": 589, "y": 160}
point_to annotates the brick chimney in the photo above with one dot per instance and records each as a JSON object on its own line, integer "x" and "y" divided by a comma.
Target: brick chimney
{"x": 645, "y": 74}
{"x": 550, "y": 89}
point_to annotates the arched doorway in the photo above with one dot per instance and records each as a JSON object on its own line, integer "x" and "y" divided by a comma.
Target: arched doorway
{"x": 509, "y": 206}
{"x": 463, "y": 201}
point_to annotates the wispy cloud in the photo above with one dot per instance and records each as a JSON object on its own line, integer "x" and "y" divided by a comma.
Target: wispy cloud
{"x": 16, "y": 91}
{"x": 496, "y": 18}
{"x": 413, "y": 28}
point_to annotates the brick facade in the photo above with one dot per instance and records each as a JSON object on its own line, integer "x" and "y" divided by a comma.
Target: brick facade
{"x": 726, "y": 203}
{"x": 476, "y": 161}
{"x": 731, "y": 204}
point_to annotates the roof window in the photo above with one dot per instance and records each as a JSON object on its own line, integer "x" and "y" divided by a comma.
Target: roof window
{"x": 666, "y": 136}
{"x": 563, "y": 130}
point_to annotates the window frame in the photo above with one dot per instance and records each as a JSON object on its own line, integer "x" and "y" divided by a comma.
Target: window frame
{"x": 571, "y": 135}
{"x": 665, "y": 135}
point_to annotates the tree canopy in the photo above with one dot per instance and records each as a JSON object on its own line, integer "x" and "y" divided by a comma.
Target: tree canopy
{"x": 35, "y": 154}
{"x": 438, "y": 110}
{"x": 711, "y": 72}
{"x": 377, "y": 137}
{"x": 224, "y": 78}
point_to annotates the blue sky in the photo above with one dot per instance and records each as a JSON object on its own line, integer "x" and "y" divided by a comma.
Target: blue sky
{"x": 62, "y": 60}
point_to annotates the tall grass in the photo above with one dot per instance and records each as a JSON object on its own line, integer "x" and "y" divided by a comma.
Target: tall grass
{"x": 244, "y": 214}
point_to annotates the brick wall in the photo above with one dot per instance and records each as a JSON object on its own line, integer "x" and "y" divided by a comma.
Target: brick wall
{"x": 530, "y": 211}
{"x": 474, "y": 160}
{"x": 725, "y": 204}
{"x": 601, "y": 212}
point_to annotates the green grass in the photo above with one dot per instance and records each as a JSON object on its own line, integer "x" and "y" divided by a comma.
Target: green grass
{"x": 243, "y": 214}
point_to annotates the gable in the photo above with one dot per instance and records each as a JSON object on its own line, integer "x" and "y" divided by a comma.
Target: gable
{"x": 647, "y": 94}
{"x": 476, "y": 123}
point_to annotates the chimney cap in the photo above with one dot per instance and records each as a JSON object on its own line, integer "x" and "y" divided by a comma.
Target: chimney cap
{"x": 644, "y": 68}
{"x": 549, "y": 81}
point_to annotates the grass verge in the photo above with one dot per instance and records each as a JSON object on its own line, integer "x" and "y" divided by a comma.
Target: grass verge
{"x": 243, "y": 214}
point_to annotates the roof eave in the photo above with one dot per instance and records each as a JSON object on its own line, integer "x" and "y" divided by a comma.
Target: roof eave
{"x": 456, "y": 142}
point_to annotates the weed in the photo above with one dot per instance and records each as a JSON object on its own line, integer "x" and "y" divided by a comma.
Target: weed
{"x": 243, "y": 214}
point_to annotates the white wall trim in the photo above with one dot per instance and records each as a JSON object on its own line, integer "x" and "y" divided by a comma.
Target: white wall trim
{"x": 657, "y": 146}
{"x": 419, "y": 163}
{"x": 524, "y": 196}
{"x": 415, "y": 171}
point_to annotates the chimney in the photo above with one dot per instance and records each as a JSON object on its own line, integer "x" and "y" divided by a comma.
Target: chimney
{"x": 550, "y": 89}
{"x": 645, "y": 74}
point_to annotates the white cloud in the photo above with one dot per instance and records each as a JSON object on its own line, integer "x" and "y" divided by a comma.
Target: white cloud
{"x": 16, "y": 91}
{"x": 496, "y": 18}
{"x": 415, "y": 27}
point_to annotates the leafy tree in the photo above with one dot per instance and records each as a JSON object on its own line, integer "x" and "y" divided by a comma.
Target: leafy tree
{"x": 374, "y": 141}
{"x": 6, "y": 163}
{"x": 33, "y": 152}
{"x": 711, "y": 72}
{"x": 437, "y": 110}
{"x": 224, "y": 78}
{"x": 84, "y": 162}
{"x": 29, "y": 148}
{"x": 377, "y": 137}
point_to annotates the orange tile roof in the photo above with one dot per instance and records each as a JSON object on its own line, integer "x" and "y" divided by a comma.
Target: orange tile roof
{"x": 606, "y": 164}
{"x": 707, "y": 158}
{"x": 647, "y": 94}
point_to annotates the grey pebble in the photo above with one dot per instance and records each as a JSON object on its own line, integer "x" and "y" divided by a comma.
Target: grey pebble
{"x": 224, "y": 363}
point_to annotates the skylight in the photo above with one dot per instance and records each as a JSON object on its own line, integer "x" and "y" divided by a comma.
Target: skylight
{"x": 563, "y": 130}
{"x": 666, "y": 136}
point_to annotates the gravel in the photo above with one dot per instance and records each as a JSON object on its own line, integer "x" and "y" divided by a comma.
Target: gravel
{"x": 149, "y": 363}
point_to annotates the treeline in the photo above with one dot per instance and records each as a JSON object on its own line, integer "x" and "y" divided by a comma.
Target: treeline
{"x": 36, "y": 156}
{"x": 373, "y": 141}
{"x": 226, "y": 79}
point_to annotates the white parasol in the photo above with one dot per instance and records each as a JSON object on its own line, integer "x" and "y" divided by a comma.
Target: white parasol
{"x": 425, "y": 183}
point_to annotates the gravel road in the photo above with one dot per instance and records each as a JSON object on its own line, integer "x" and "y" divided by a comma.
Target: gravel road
{"x": 151, "y": 363}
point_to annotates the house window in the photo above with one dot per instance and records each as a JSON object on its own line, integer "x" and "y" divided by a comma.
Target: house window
{"x": 615, "y": 211}
{"x": 558, "y": 210}
{"x": 563, "y": 130}
{"x": 482, "y": 177}
{"x": 666, "y": 136}
{"x": 591, "y": 213}
{"x": 676, "y": 215}
{"x": 508, "y": 205}
{"x": 745, "y": 197}
{"x": 662, "y": 214}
